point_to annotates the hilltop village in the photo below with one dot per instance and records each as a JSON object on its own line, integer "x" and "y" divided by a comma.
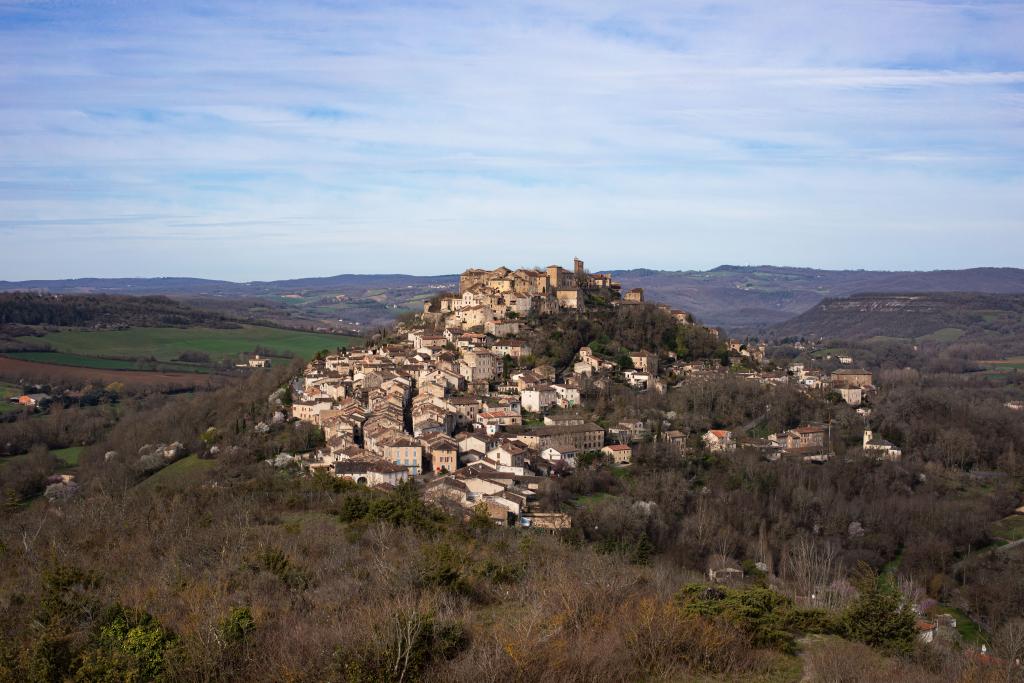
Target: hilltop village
{"x": 461, "y": 399}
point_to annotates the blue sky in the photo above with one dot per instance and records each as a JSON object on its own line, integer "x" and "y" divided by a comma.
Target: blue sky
{"x": 273, "y": 139}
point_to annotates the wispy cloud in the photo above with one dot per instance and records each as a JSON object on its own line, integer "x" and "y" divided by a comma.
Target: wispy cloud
{"x": 258, "y": 141}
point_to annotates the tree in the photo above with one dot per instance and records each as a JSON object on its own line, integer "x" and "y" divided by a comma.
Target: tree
{"x": 880, "y": 616}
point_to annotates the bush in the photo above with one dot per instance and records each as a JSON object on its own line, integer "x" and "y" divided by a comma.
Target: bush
{"x": 402, "y": 647}
{"x": 441, "y": 566}
{"x": 278, "y": 564}
{"x": 769, "y": 618}
{"x": 666, "y": 640}
{"x": 193, "y": 357}
{"x": 129, "y": 646}
{"x": 237, "y": 625}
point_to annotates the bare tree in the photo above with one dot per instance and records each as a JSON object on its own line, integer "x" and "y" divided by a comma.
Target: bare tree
{"x": 812, "y": 569}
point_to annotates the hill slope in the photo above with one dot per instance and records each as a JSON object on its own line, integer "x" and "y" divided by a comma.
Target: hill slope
{"x": 936, "y": 317}
{"x": 337, "y": 303}
{"x": 746, "y": 298}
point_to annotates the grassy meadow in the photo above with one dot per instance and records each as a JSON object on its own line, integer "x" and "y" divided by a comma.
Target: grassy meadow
{"x": 179, "y": 474}
{"x": 6, "y": 392}
{"x": 68, "y": 456}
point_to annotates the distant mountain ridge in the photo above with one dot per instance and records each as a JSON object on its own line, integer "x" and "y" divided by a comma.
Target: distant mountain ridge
{"x": 940, "y": 317}
{"x": 180, "y": 286}
{"x": 753, "y": 298}
{"x": 743, "y": 299}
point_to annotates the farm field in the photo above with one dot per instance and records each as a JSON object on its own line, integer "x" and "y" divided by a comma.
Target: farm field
{"x": 47, "y": 373}
{"x": 167, "y": 343}
{"x": 1012, "y": 364}
{"x": 77, "y": 361}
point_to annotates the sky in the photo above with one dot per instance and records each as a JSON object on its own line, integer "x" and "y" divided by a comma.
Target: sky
{"x": 269, "y": 140}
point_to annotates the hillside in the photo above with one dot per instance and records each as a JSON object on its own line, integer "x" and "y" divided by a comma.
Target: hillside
{"x": 935, "y": 317}
{"x": 746, "y": 298}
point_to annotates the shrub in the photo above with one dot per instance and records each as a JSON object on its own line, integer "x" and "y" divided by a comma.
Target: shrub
{"x": 128, "y": 646}
{"x": 237, "y": 625}
{"x": 769, "y": 618}
{"x": 278, "y": 564}
{"x": 664, "y": 639}
{"x": 354, "y": 507}
{"x": 404, "y": 507}
{"x": 441, "y": 566}
{"x": 402, "y": 647}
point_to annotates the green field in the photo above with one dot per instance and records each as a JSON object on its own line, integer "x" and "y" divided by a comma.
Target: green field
{"x": 180, "y": 474}
{"x": 6, "y": 392}
{"x": 590, "y": 499}
{"x": 167, "y": 343}
{"x": 965, "y": 626}
{"x": 946, "y": 334}
{"x": 1004, "y": 366}
{"x": 69, "y": 455}
{"x": 76, "y": 361}
{"x": 881, "y": 339}
{"x": 1009, "y": 528}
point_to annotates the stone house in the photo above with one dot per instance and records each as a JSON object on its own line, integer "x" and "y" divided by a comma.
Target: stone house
{"x": 717, "y": 440}
{"x": 621, "y": 454}
{"x": 538, "y": 398}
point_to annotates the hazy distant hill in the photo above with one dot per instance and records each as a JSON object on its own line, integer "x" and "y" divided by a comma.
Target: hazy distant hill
{"x": 337, "y": 303}
{"x": 202, "y": 287}
{"x": 740, "y": 298}
{"x": 938, "y": 317}
{"x": 751, "y": 297}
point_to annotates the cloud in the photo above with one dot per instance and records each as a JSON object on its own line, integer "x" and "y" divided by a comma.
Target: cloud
{"x": 310, "y": 138}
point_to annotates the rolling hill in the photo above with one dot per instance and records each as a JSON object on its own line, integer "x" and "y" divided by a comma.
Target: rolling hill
{"x": 929, "y": 317}
{"x": 341, "y": 303}
{"x": 751, "y": 298}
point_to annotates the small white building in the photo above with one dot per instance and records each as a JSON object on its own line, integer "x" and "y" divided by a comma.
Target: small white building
{"x": 880, "y": 447}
